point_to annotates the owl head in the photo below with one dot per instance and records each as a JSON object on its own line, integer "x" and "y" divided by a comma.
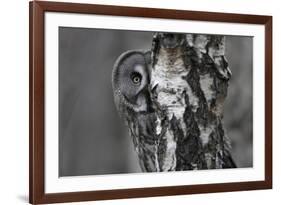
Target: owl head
{"x": 130, "y": 79}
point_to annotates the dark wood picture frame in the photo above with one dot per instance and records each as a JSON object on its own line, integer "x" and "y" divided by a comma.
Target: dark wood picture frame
{"x": 37, "y": 193}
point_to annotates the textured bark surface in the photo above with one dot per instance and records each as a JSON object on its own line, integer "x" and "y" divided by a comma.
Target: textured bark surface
{"x": 176, "y": 119}
{"x": 189, "y": 81}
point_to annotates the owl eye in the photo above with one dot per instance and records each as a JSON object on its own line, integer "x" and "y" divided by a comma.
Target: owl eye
{"x": 136, "y": 78}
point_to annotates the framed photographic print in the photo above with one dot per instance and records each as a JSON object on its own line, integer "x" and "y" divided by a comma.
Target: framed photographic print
{"x": 138, "y": 102}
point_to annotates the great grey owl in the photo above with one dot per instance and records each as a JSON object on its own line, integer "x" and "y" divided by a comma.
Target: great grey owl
{"x": 171, "y": 100}
{"x": 130, "y": 81}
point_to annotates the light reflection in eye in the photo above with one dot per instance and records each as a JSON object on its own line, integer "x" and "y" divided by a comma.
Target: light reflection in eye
{"x": 136, "y": 78}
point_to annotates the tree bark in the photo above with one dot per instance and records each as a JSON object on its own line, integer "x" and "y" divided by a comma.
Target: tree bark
{"x": 188, "y": 86}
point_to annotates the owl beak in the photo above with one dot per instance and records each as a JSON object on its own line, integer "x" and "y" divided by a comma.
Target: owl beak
{"x": 142, "y": 90}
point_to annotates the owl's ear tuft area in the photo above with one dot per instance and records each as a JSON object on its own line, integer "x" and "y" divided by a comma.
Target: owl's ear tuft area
{"x": 124, "y": 56}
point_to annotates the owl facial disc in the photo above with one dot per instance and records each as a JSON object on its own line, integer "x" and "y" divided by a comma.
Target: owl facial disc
{"x": 131, "y": 76}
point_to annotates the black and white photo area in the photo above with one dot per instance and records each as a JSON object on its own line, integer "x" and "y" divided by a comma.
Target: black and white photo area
{"x": 93, "y": 138}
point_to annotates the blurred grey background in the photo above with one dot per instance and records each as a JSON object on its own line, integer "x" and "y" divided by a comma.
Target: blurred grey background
{"x": 92, "y": 138}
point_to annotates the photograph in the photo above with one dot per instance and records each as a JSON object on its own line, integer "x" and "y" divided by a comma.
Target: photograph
{"x": 126, "y": 102}
{"x": 130, "y": 102}
{"x": 142, "y": 101}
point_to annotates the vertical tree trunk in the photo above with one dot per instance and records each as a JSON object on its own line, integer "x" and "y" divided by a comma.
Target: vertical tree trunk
{"x": 188, "y": 86}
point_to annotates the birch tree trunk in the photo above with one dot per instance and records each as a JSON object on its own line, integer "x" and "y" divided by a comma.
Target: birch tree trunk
{"x": 188, "y": 87}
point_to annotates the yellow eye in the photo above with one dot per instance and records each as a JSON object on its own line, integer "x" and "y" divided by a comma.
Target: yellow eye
{"x": 136, "y": 78}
